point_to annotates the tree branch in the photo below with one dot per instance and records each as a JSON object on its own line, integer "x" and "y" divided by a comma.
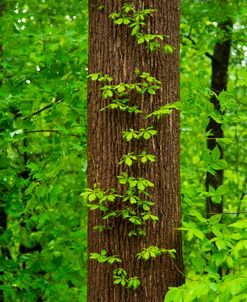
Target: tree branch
{"x": 194, "y": 43}
{"x": 51, "y": 131}
{"x": 56, "y": 101}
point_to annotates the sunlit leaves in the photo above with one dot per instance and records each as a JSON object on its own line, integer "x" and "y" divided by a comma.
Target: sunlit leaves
{"x": 44, "y": 60}
{"x": 164, "y": 110}
{"x": 152, "y": 252}
{"x": 145, "y": 133}
{"x": 136, "y": 20}
{"x": 121, "y": 277}
{"x": 213, "y": 161}
{"x": 98, "y": 199}
{"x": 130, "y": 158}
{"x": 140, "y": 183}
{"x": 168, "y": 49}
{"x": 102, "y": 257}
{"x": 122, "y": 105}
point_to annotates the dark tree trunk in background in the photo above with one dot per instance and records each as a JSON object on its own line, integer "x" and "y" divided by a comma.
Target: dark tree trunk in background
{"x": 113, "y": 51}
{"x": 220, "y": 62}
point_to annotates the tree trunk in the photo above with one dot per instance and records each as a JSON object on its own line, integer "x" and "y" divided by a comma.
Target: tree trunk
{"x": 113, "y": 51}
{"x": 220, "y": 62}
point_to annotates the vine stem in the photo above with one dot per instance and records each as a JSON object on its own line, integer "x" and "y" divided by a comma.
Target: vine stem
{"x": 180, "y": 272}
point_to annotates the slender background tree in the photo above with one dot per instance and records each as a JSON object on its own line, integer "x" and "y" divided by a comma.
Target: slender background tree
{"x": 42, "y": 151}
{"x": 220, "y": 65}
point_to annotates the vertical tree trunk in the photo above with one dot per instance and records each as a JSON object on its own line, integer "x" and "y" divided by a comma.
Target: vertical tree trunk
{"x": 113, "y": 51}
{"x": 220, "y": 62}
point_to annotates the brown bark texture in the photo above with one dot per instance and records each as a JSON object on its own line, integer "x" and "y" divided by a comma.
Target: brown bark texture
{"x": 220, "y": 63}
{"x": 113, "y": 51}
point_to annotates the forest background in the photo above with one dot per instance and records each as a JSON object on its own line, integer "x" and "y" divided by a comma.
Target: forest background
{"x": 43, "y": 219}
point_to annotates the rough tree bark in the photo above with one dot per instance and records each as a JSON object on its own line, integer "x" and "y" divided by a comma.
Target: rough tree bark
{"x": 113, "y": 51}
{"x": 220, "y": 62}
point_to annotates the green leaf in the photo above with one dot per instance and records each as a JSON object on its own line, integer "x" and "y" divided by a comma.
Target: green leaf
{"x": 240, "y": 224}
{"x": 174, "y": 295}
{"x": 220, "y": 165}
{"x": 103, "y": 252}
{"x": 126, "y": 21}
{"x": 146, "y": 135}
{"x": 140, "y": 40}
{"x": 119, "y": 21}
{"x": 117, "y": 281}
{"x": 91, "y": 197}
{"x": 164, "y": 110}
{"x": 95, "y": 76}
{"x": 221, "y": 245}
{"x": 215, "y": 154}
{"x": 133, "y": 283}
{"x": 128, "y": 162}
{"x": 168, "y": 49}
{"x": 151, "y": 91}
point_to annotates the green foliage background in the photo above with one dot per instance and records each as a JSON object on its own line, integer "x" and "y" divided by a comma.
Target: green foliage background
{"x": 226, "y": 251}
{"x": 43, "y": 76}
{"x": 43, "y": 150}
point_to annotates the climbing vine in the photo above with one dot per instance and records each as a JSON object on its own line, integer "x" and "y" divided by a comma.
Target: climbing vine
{"x": 136, "y": 21}
{"x": 135, "y": 204}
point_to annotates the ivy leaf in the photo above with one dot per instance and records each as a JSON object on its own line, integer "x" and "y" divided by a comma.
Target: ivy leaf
{"x": 168, "y": 49}
{"x": 240, "y": 224}
{"x": 103, "y": 252}
{"x": 133, "y": 283}
{"x": 91, "y": 197}
{"x": 129, "y": 161}
{"x": 119, "y": 21}
{"x": 95, "y": 76}
{"x": 215, "y": 154}
{"x": 151, "y": 91}
{"x": 174, "y": 295}
{"x": 141, "y": 40}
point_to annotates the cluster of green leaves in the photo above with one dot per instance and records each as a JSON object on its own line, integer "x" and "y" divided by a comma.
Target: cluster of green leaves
{"x": 119, "y": 274}
{"x": 130, "y": 158}
{"x": 145, "y": 133}
{"x": 136, "y": 20}
{"x": 43, "y": 246}
{"x": 141, "y": 184}
{"x": 99, "y": 199}
{"x": 130, "y": 205}
{"x": 136, "y": 210}
{"x": 121, "y": 277}
{"x": 164, "y": 110}
{"x": 152, "y": 252}
{"x": 120, "y": 94}
{"x": 212, "y": 161}
{"x": 133, "y": 208}
{"x": 230, "y": 288}
{"x": 102, "y": 257}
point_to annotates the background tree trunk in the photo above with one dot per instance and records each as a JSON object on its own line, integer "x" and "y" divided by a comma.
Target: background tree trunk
{"x": 220, "y": 62}
{"x": 113, "y": 51}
